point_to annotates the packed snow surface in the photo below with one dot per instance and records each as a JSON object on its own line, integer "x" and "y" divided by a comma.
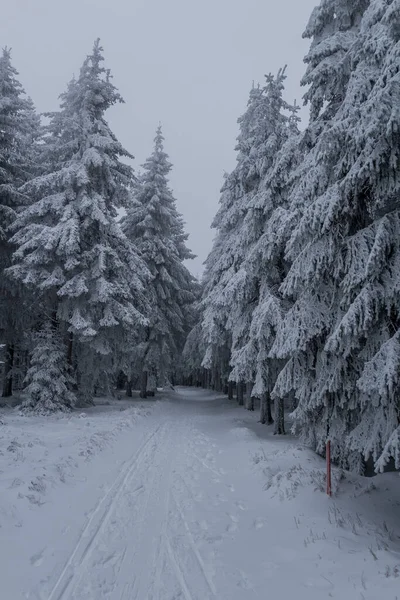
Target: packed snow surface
{"x": 185, "y": 498}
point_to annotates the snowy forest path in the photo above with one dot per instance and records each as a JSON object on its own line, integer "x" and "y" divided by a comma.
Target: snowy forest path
{"x": 198, "y": 501}
{"x": 150, "y": 536}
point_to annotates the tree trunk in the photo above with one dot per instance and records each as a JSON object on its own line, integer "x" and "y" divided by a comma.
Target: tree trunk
{"x": 129, "y": 388}
{"x": 293, "y": 401}
{"x": 265, "y": 409}
{"x": 240, "y": 393}
{"x": 204, "y": 379}
{"x": 279, "y": 416}
{"x": 209, "y": 382}
{"x": 249, "y": 398}
{"x": 70, "y": 349}
{"x": 8, "y": 375}
{"x": 143, "y": 385}
{"x": 230, "y": 390}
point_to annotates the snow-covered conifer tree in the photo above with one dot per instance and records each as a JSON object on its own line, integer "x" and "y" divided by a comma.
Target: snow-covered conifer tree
{"x": 265, "y": 264}
{"x": 48, "y": 380}
{"x": 341, "y": 334}
{"x": 226, "y": 256}
{"x": 248, "y": 350}
{"x": 18, "y": 131}
{"x": 70, "y": 247}
{"x": 156, "y": 231}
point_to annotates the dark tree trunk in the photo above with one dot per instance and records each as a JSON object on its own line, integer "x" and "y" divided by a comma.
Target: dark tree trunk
{"x": 293, "y": 401}
{"x": 249, "y": 398}
{"x": 204, "y": 378}
{"x": 208, "y": 379}
{"x": 129, "y": 388}
{"x": 230, "y": 390}
{"x": 8, "y": 375}
{"x": 240, "y": 393}
{"x": 265, "y": 409}
{"x": 70, "y": 347}
{"x": 216, "y": 380}
{"x": 143, "y": 385}
{"x": 279, "y": 417}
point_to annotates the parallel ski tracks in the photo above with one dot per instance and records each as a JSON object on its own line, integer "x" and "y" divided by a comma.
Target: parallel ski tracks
{"x": 96, "y": 523}
{"x": 145, "y": 557}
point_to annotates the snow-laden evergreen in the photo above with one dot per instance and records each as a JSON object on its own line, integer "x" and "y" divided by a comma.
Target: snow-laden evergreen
{"x": 252, "y": 304}
{"x": 341, "y": 334}
{"x": 300, "y": 296}
{"x": 18, "y": 132}
{"x": 238, "y": 279}
{"x": 226, "y": 256}
{"x": 266, "y": 265}
{"x": 156, "y": 231}
{"x": 48, "y": 380}
{"x": 71, "y": 249}
{"x": 301, "y": 284}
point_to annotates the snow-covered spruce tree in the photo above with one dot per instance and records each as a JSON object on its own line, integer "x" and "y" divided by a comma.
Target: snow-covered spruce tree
{"x": 369, "y": 323}
{"x": 252, "y": 303}
{"x": 214, "y": 340}
{"x": 70, "y": 248}
{"x": 334, "y": 26}
{"x": 19, "y": 128}
{"x": 156, "y": 231}
{"x": 48, "y": 382}
{"x": 266, "y": 266}
{"x": 341, "y": 334}
{"x": 226, "y": 256}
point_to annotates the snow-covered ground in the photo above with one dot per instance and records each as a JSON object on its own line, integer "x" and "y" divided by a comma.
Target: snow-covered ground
{"x": 185, "y": 498}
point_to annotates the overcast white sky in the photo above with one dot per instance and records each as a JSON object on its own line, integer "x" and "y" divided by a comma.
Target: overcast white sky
{"x": 186, "y": 63}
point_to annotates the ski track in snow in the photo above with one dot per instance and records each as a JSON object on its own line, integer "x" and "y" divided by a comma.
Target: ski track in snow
{"x": 97, "y": 523}
{"x": 138, "y": 536}
{"x": 184, "y": 516}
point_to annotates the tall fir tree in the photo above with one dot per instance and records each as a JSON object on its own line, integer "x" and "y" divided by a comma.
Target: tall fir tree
{"x": 19, "y": 130}
{"x": 235, "y": 287}
{"x": 156, "y": 230}
{"x": 343, "y": 326}
{"x": 226, "y": 256}
{"x": 249, "y": 282}
{"x": 70, "y": 248}
{"x": 266, "y": 264}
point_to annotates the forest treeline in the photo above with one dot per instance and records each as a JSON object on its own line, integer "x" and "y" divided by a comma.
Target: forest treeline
{"x": 301, "y": 292}
{"x": 87, "y": 298}
{"x": 299, "y": 304}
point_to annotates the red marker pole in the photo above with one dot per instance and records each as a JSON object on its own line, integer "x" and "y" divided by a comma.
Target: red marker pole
{"x": 328, "y": 469}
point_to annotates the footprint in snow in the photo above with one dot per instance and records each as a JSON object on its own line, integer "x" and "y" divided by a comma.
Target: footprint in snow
{"x": 244, "y": 582}
{"x": 221, "y": 498}
{"x": 234, "y": 522}
{"x": 259, "y": 523}
{"x": 241, "y": 505}
{"x": 37, "y": 559}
